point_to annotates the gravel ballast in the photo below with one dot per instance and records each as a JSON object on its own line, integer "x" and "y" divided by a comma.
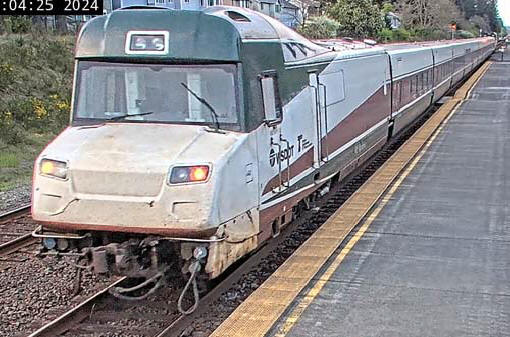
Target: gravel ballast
{"x": 15, "y": 198}
{"x": 36, "y": 291}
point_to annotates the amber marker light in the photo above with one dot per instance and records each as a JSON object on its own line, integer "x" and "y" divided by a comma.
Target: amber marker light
{"x": 189, "y": 174}
{"x": 47, "y": 167}
{"x": 53, "y": 168}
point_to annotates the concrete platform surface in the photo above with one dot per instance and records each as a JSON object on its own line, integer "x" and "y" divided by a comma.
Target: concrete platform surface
{"x": 436, "y": 260}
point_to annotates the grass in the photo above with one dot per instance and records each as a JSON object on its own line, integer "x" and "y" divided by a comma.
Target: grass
{"x": 17, "y": 162}
{"x": 8, "y": 160}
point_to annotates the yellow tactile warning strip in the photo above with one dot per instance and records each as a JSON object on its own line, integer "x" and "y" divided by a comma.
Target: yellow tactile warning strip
{"x": 260, "y": 311}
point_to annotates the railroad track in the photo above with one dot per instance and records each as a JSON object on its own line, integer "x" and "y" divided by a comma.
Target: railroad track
{"x": 156, "y": 318}
{"x": 15, "y": 235}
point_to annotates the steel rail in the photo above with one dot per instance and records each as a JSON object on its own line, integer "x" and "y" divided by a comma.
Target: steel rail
{"x": 14, "y": 214}
{"x": 74, "y": 316}
{"x": 9, "y": 247}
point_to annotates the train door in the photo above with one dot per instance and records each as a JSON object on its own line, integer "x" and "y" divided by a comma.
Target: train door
{"x": 320, "y": 126}
{"x": 328, "y": 89}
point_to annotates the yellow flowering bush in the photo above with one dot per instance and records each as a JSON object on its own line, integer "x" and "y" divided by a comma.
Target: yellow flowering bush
{"x": 35, "y": 85}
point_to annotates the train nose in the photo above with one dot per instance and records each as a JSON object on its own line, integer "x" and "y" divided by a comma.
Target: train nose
{"x": 116, "y": 180}
{"x": 161, "y": 177}
{"x": 128, "y": 160}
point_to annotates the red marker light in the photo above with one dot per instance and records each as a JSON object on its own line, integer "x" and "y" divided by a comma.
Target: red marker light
{"x": 189, "y": 174}
{"x": 198, "y": 173}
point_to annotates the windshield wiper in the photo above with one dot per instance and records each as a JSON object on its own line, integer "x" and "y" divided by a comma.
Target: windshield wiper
{"x": 116, "y": 118}
{"x": 204, "y": 102}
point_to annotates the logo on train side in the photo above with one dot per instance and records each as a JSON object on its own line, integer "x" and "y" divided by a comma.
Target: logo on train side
{"x": 272, "y": 157}
{"x": 287, "y": 153}
{"x": 281, "y": 156}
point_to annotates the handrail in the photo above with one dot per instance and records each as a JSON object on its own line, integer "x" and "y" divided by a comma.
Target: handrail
{"x": 287, "y": 184}
{"x": 278, "y": 159}
{"x": 325, "y": 122}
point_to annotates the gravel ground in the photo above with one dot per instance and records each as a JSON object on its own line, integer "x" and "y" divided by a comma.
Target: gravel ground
{"x": 15, "y": 198}
{"x": 37, "y": 290}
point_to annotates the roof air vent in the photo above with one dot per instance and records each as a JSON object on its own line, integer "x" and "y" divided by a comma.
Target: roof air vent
{"x": 237, "y": 16}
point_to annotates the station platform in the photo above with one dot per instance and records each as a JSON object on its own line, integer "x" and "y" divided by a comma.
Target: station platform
{"x": 432, "y": 256}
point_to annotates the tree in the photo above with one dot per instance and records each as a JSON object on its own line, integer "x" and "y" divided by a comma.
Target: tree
{"x": 428, "y": 15}
{"x": 61, "y": 23}
{"x": 481, "y": 23}
{"x": 357, "y": 18}
{"x": 486, "y": 9}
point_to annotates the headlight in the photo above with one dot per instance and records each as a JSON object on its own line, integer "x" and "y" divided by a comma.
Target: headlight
{"x": 53, "y": 168}
{"x": 189, "y": 174}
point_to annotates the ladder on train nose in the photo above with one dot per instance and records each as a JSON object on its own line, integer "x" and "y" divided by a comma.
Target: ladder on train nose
{"x": 280, "y": 155}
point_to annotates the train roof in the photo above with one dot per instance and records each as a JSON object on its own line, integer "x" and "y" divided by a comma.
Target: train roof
{"x": 213, "y": 34}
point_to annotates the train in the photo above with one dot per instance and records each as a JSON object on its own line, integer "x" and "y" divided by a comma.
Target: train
{"x": 196, "y": 136}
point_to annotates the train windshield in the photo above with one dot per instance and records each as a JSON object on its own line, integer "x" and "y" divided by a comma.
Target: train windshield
{"x": 145, "y": 93}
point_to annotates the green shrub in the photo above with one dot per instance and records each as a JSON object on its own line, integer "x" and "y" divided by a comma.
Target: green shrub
{"x": 385, "y": 35}
{"x": 7, "y": 75}
{"x": 464, "y": 34}
{"x": 17, "y": 24}
{"x": 35, "y": 85}
{"x": 320, "y": 27}
{"x": 401, "y": 34}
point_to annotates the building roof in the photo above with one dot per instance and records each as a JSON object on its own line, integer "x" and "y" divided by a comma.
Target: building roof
{"x": 288, "y": 4}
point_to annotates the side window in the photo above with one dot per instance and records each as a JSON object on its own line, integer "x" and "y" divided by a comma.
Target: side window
{"x": 271, "y": 97}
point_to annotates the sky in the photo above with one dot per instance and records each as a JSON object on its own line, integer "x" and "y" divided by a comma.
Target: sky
{"x": 504, "y": 11}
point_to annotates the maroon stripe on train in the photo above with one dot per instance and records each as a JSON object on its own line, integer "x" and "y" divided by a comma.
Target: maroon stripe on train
{"x": 372, "y": 111}
{"x": 368, "y": 114}
{"x": 298, "y": 166}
